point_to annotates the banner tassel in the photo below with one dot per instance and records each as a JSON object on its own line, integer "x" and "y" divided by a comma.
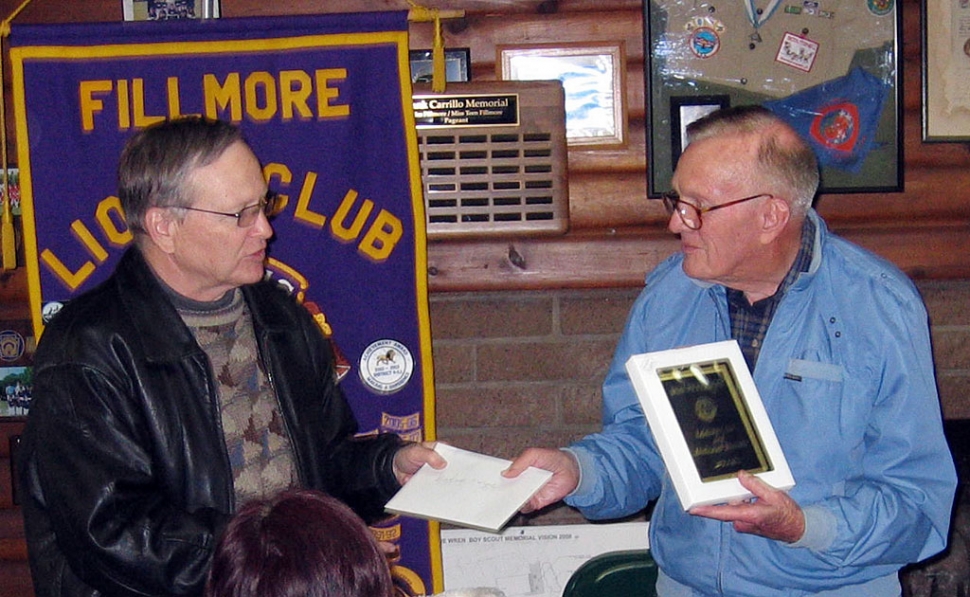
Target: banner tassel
{"x": 8, "y": 243}
{"x": 421, "y": 14}
{"x": 437, "y": 58}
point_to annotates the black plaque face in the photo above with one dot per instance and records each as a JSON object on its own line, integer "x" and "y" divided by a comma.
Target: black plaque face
{"x": 715, "y": 420}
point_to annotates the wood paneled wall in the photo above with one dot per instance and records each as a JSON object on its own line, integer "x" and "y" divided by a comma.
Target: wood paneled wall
{"x": 925, "y": 229}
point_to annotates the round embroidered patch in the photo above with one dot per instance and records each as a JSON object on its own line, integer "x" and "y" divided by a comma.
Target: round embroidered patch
{"x": 386, "y": 366}
{"x": 704, "y": 42}
{"x": 837, "y": 126}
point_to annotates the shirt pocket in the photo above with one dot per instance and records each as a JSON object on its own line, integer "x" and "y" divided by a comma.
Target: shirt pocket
{"x": 802, "y": 370}
{"x": 823, "y": 430}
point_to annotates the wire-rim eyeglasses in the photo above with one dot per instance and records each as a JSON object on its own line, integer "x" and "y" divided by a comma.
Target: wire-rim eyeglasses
{"x": 246, "y": 217}
{"x": 690, "y": 214}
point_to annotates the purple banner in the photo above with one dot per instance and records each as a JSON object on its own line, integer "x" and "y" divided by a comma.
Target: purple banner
{"x": 325, "y": 103}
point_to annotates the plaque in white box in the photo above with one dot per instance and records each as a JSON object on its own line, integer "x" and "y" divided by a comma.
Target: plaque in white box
{"x": 708, "y": 420}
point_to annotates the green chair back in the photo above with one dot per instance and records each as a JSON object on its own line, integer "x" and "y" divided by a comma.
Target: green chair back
{"x": 630, "y": 573}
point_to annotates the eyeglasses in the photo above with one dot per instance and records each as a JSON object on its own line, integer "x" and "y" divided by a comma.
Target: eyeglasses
{"x": 246, "y": 217}
{"x": 690, "y": 214}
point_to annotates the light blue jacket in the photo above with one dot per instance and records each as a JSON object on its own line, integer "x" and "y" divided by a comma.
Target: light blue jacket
{"x": 857, "y": 416}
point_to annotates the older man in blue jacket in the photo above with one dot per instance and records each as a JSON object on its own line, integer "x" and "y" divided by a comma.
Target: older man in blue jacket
{"x": 838, "y": 343}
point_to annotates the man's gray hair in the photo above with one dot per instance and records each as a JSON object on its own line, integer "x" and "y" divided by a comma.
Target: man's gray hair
{"x": 157, "y": 161}
{"x": 787, "y": 158}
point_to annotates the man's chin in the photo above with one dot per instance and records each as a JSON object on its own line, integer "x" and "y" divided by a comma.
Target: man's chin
{"x": 693, "y": 271}
{"x": 254, "y": 274}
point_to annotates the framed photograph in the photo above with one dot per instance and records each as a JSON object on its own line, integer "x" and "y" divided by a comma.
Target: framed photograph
{"x": 16, "y": 366}
{"x": 832, "y": 73}
{"x": 163, "y": 10}
{"x": 13, "y": 196}
{"x": 946, "y": 71}
{"x": 708, "y": 420}
{"x": 457, "y": 61}
{"x": 593, "y": 79}
{"x": 17, "y": 385}
{"x": 685, "y": 110}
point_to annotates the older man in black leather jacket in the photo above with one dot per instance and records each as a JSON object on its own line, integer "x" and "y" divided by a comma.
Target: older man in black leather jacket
{"x": 141, "y": 442}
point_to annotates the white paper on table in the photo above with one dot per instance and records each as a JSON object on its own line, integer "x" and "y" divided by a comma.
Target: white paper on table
{"x": 470, "y": 491}
{"x": 533, "y": 561}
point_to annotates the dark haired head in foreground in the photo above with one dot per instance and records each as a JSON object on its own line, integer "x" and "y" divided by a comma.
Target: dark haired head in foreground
{"x": 300, "y": 543}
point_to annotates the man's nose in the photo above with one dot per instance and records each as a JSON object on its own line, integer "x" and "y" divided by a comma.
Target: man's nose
{"x": 262, "y": 227}
{"x": 675, "y": 224}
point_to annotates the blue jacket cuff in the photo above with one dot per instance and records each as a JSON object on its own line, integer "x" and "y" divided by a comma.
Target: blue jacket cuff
{"x": 586, "y": 484}
{"x": 820, "y": 529}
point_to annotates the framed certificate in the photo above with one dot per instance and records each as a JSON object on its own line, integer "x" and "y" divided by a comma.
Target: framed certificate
{"x": 946, "y": 71}
{"x": 708, "y": 420}
{"x": 593, "y": 79}
{"x": 163, "y": 10}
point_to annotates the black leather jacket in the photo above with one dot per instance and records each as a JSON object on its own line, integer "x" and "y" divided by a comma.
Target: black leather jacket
{"x": 126, "y": 478}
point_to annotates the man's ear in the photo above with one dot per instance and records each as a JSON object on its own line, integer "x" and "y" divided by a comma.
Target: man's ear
{"x": 161, "y": 226}
{"x": 775, "y": 217}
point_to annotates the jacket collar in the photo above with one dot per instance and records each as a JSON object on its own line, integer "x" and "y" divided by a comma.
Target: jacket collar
{"x": 260, "y": 297}
{"x": 163, "y": 335}
{"x": 821, "y": 236}
{"x": 158, "y": 327}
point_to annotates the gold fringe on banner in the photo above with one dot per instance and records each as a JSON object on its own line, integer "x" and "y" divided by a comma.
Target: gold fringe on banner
{"x": 420, "y": 14}
{"x": 8, "y": 244}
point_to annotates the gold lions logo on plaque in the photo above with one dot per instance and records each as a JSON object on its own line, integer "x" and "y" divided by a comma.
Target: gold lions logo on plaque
{"x": 705, "y": 409}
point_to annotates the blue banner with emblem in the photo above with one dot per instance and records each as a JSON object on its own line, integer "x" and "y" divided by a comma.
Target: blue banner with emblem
{"x": 839, "y": 118}
{"x": 325, "y": 102}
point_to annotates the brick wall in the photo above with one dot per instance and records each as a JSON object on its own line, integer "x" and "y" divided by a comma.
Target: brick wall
{"x": 948, "y": 302}
{"x": 520, "y": 369}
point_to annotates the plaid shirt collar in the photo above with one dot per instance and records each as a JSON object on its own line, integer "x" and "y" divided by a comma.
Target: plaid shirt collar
{"x": 749, "y": 323}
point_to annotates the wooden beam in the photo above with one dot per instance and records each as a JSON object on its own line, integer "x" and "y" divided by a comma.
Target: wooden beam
{"x": 597, "y": 259}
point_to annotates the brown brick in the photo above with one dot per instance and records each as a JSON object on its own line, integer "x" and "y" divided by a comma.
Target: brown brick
{"x": 508, "y": 442}
{"x": 948, "y": 301}
{"x": 469, "y": 406}
{"x": 477, "y": 440}
{"x": 603, "y": 313}
{"x": 954, "y": 392}
{"x": 544, "y": 361}
{"x": 551, "y": 438}
{"x": 582, "y": 404}
{"x": 951, "y": 348}
{"x": 453, "y": 363}
{"x": 491, "y": 315}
